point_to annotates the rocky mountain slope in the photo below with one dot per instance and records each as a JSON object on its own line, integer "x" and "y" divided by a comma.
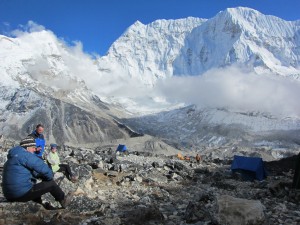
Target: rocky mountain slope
{"x": 64, "y": 122}
{"x": 197, "y": 129}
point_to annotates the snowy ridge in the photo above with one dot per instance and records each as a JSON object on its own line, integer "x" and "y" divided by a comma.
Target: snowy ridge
{"x": 244, "y": 36}
{"x": 146, "y": 52}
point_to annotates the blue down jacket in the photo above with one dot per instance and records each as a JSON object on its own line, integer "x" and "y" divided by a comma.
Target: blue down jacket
{"x": 40, "y": 142}
{"x": 20, "y": 172}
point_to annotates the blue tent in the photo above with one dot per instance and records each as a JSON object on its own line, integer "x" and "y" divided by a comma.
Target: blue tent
{"x": 250, "y": 167}
{"x": 121, "y": 148}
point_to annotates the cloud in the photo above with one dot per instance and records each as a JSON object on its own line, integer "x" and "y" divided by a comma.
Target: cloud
{"x": 234, "y": 88}
{"x": 5, "y": 28}
{"x": 105, "y": 79}
{"x": 237, "y": 89}
{"x": 28, "y": 28}
{"x": 6, "y": 24}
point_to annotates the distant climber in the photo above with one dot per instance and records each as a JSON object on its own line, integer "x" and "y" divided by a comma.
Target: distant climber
{"x": 198, "y": 158}
{"x": 54, "y": 161}
{"x": 20, "y": 174}
{"x": 37, "y": 134}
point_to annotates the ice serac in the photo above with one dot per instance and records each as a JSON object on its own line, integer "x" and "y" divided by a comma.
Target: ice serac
{"x": 243, "y": 36}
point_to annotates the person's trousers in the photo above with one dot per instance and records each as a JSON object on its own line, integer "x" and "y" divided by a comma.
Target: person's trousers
{"x": 41, "y": 188}
{"x": 65, "y": 168}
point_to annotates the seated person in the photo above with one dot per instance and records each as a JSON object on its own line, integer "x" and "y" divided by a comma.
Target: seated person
{"x": 54, "y": 161}
{"x": 20, "y": 172}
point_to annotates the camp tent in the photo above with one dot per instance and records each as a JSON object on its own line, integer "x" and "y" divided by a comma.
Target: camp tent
{"x": 180, "y": 156}
{"x": 251, "y": 168}
{"x": 121, "y": 148}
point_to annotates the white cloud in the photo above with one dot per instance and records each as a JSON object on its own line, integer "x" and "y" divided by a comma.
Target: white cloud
{"x": 236, "y": 89}
{"x": 233, "y": 87}
{"x": 6, "y": 24}
{"x": 28, "y": 28}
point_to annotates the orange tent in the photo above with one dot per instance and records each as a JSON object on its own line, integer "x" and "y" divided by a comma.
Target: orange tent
{"x": 180, "y": 156}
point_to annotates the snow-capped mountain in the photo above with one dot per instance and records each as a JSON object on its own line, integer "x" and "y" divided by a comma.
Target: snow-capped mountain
{"x": 243, "y": 36}
{"x": 193, "y": 46}
{"x": 40, "y": 83}
{"x": 38, "y": 60}
{"x": 45, "y": 80}
{"x": 147, "y": 52}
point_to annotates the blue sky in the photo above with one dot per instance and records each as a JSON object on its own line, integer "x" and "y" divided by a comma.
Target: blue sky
{"x": 98, "y": 23}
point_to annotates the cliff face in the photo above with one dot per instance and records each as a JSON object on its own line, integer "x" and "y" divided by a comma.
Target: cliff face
{"x": 64, "y": 122}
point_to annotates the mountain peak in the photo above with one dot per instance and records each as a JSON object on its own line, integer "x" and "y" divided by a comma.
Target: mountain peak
{"x": 138, "y": 23}
{"x": 238, "y": 15}
{"x": 250, "y": 17}
{"x": 242, "y": 11}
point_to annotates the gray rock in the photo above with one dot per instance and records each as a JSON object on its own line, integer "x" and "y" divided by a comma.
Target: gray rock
{"x": 238, "y": 211}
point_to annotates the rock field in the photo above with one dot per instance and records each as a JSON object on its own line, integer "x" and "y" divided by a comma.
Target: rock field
{"x": 146, "y": 188}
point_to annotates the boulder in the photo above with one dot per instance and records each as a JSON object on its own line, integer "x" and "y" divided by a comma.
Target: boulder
{"x": 237, "y": 211}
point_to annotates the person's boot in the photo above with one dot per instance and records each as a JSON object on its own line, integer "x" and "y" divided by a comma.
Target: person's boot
{"x": 48, "y": 206}
{"x": 67, "y": 200}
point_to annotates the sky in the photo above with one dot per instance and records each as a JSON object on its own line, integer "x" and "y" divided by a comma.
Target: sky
{"x": 98, "y": 23}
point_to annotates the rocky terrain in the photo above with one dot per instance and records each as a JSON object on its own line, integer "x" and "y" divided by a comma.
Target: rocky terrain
{"x": 144, "y": 187}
